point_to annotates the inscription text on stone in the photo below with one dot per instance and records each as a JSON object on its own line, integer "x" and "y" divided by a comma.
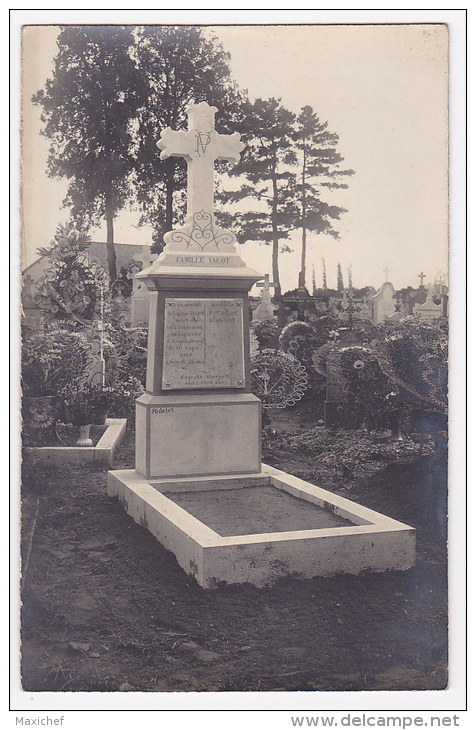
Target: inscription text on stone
{"x": 203, "y": 344}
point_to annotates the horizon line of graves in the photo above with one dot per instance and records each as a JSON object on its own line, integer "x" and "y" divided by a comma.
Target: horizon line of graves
{"x": 348, "y": 304}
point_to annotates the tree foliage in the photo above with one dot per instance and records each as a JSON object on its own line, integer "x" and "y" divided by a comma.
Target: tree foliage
{"x": 115, "y": 88}
{"x": 266, "y": 128}
{"x": 319, "y": 164}
{"x": 112, "y": 92}
{"x": 340, "y": 279}
{"x": 287, "y": 162}
{"x": 90, "y": 107}
{"x": 180, "y": 65}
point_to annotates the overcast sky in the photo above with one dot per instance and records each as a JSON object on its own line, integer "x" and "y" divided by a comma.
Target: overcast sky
{"x": 382, "y": 88}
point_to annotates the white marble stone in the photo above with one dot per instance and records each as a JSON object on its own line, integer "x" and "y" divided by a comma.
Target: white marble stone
{"x": 383, "y": 303}
{"x": 210, "y": 434}
{"x": 205, "y": 433}
{"x": 429, "y": 311}
{"x": 200, "y": 242}
{"x": 201, "y": 145}
{"x": 101, "y": 455}
{"x": 373, "y": 542}
{"x": 203, "y": 343}
{"x": 265, "y": 310}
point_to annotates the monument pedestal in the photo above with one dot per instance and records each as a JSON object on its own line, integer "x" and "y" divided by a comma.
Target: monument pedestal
{"x": 198, "y": 416}
{"x": 196, "y": 435}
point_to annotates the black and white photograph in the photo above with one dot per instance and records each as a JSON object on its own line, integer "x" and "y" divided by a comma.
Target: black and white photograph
{"x": 236, "y": 294}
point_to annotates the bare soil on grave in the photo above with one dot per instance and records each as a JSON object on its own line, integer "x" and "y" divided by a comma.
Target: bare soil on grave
{"x": 105, "y": 606}
{"x": 253, "y": 510}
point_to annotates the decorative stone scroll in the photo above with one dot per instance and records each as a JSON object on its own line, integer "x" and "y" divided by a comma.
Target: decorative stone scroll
{"x": 203, "y": 344}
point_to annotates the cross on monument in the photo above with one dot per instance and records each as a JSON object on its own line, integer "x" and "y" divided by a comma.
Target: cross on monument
{"x": 201, "y": 145}
{"x": 386, "y": 272}
{"x": 421, "y": 276}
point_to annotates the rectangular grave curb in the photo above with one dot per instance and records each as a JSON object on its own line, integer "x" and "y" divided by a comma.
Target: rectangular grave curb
{"x": 375, "y": 542}
{"x": 102, "y": 454}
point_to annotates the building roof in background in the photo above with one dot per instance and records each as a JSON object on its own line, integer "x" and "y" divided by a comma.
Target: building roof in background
{"x": 98, "y": 251}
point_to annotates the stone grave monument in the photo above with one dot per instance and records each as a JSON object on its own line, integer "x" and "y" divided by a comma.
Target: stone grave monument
{"x": 198, "y": 483}
{"x": 429, "y": 310}
{"x": 265, "y": 310}
{"x": 198, "y": 397}
{"x": 140, "y": 308}
{"x": 383, "y": 303}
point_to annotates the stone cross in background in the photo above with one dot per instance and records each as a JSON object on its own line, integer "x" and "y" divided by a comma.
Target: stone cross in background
{"x": 265, "y": 309}
{"x": 421, "y": 276}
{"x": 201, "y": 145}
{"x": 145, "y": 258}
{"x": 266, "y": 285}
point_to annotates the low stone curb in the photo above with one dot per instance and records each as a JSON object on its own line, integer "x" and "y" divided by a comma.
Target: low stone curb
{"x": 102, "y": 454}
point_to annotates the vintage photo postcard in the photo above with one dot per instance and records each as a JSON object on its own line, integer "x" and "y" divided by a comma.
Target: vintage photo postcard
{"x": 235, "y": 308}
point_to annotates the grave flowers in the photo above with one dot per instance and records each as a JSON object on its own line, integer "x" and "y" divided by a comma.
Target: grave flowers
{"x": 49, "y": 361}
{"x": 70, "y": 289}
{"x": 81, "y": 399}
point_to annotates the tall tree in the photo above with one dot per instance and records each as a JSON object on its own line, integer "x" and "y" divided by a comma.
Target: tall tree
{"x": 314, "y": 287}
{"x": 340, "y": 279}
{"x": 89, "y": 108}
{"x": 319, "y": 168}
{"x": 349, "y": 278}
{"x": 266, "y": 166}
{"x": 181, "y": 65}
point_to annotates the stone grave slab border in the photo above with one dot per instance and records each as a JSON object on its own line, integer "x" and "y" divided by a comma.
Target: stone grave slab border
{"x": 101, "y": 455}
{"x": 374, "y": 542}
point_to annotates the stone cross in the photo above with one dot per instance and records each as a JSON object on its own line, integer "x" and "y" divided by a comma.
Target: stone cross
{"x": 265, "y": 309}
{"x": 386, "y": 272}
{"x": 201, "y": 145}
{"x": 145, "y": 258}
{"x": 266, "y": 284}
{"x": 421, "y": 276}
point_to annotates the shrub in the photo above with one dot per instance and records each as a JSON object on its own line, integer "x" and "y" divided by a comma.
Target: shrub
{"x": 52, "y": 358}
{"x": 71, "y": 285}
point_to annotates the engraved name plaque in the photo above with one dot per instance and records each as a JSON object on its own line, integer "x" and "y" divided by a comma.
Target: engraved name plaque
{"x": 203, "y": 344}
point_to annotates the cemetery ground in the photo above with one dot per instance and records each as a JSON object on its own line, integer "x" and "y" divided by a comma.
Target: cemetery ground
{"x": 106, "y": 608}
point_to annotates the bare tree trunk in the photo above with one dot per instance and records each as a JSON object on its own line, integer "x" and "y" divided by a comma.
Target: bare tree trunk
{"x": 274, "y": 225}
{"x": 111, "y": 253}
{"x": 302, "y": 273}
{"x": 169, "y": 193}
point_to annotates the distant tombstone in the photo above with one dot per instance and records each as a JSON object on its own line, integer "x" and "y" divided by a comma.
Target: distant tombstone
{"x": 140, "y": 301}
{"x": 343, "y": 315}
{"x": 364, "y": 311}
{"x": 265, "y": 310}
{"x": 429, "y": 311}
{"x": 334, "y": 390}
{"x": 383, "y": 303}
{"x": 333, "y": 310}
{"x": 31, "y": 314}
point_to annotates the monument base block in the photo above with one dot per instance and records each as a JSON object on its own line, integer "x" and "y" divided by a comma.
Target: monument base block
{"x": 340, "y": 536}
{"x": 195, "y": 435}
